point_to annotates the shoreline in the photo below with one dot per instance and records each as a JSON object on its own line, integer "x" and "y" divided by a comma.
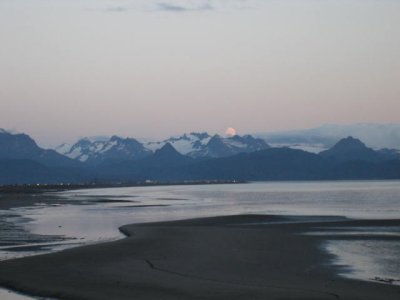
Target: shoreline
{"x": 45, "y": 188}
{"x": 231, "y": 257}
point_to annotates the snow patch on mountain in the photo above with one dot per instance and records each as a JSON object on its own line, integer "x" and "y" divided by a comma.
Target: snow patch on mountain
{"x": 184, "y": 144}
{"x": 193, "y": 144}
{"x": 63, "y": 148}
{"x": 202, "y": 144}
{"x": 97, "y": 150}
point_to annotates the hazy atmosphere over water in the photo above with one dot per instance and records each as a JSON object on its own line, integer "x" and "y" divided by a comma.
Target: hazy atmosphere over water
{"x": 149, "y": 68}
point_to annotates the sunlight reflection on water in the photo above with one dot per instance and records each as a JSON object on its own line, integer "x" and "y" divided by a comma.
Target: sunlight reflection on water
{"x": 376, "y": 260}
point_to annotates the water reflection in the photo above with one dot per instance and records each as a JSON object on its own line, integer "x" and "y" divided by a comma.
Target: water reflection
{"x": 88, "y": 216}
{"x": 376, "y": 260}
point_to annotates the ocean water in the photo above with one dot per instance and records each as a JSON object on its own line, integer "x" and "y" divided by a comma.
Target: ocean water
{"x": 94, "y": 215}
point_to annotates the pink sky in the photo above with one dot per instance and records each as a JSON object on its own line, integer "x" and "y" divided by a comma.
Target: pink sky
{"x": 141, "y": 69}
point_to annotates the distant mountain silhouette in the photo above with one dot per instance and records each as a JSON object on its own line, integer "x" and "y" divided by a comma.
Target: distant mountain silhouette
{"x": 159, "y": 166}
{"x": 22, "y": 161}
{"x": 291, "y": 164}
{"x": 166, "y": 157}
{"x": 389, "y": 154}
{"x": 351, "y": 149}
{"x": 25, "y": 171}
{"x": 21, "y": 146}
{"x": 269, "y": 164}
{"x": 167, "y": 152}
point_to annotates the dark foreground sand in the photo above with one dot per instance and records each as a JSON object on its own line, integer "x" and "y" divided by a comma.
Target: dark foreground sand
{"x": 212, "y": 258}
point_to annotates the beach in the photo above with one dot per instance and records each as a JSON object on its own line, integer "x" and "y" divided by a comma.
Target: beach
{"x": 231, "y": 257}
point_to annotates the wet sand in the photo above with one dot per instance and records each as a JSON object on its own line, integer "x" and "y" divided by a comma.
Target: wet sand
{"x": 234, "y": 257}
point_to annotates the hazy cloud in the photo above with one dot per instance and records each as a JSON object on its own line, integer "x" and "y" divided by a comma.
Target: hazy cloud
{"x": 116, "y": 9}
{"x": 173, "y": 6}
{"x": 165, "y": 6}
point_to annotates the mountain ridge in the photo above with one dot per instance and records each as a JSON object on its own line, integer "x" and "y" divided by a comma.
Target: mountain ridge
{"x": 23, "y": 161}
{"x": 196, "y": 145}
{"x": 22, "y": 146}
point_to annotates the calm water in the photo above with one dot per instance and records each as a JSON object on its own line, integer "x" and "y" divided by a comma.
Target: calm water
{"x": 94, "y": 215}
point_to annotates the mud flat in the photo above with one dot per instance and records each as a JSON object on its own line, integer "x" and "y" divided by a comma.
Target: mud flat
{"x": 232, "y": 257}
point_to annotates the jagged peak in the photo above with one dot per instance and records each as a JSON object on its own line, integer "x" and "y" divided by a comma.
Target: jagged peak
{"x": 116, "y": 138}
{"x": 126, "y": 141}
{"x": 216, "y": 138}
{"x": 83, "y": 142}
{"x": 200, "y": 135}
{"x": 167, "y": 148}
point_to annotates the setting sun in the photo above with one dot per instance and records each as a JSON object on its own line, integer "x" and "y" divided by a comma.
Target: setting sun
{"x": 230, "y": 131}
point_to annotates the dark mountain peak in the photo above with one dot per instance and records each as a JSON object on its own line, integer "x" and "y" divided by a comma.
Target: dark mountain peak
{"x": 243, "y": 139}
{"x": 351, "y": 149}
{"x": 167, "y": 156}
{"x": 22, "y": 146}
{"x": 84, "y": 142}
{"x": 350, "y": 143}
{"x": 18, "y": 137}
{"x": 127, "y": 141}
{"x": 116, "y": 138}
{"x": 17, "y": 145}
{"x": 200, "y": 135}
{"x": 240, "y": 138}
{"x": 215, "y": 138}
{"x": 167, "y": 151}
{"x": 252, "y": 143}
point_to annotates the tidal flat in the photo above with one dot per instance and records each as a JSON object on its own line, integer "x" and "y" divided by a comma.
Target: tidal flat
{"x": 312, "y": 240}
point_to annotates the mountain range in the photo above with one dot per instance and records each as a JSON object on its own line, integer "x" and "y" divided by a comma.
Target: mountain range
{"x": 194, "y": 156}
{"x": 196, "y": 145}
{"x": 94, "y": 151}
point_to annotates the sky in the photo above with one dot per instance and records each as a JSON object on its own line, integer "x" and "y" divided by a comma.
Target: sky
{"x": 155, "y": 68}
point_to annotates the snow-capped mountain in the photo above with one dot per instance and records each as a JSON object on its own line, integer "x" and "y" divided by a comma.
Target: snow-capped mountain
{"x": 221, "y": 147}
{"x": 184, "y": 144}
{"x": 92, "y": 150}
{"x": 204, "y": 145}
{"x": 95, "y": 151}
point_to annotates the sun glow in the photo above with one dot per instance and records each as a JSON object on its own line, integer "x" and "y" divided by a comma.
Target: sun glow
{"x": 230, "y": 131}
